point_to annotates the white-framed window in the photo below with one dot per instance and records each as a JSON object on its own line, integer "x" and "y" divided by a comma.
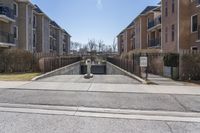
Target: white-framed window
{"x": 194, "y": 23}
{"x": 15, "y": 9}
{"x": 15, "y": 32}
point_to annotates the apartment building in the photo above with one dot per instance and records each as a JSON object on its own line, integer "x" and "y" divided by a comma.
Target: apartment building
{"x": 41, "y": 31}
{"x": 143, "y": 32}
{"x": 25, "y": 26}
{"x": 171, "y": 27}
{"x": 66, "y": 42}
{"x": 8, "y": 14}
{"x": 56, "y": 38}
{"x": 180, "y": 25}
{"x": 121, "y": 42}
{"x": 154, "y": 28}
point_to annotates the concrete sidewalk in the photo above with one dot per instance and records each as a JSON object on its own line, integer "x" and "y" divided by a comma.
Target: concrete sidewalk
{"x": 12, "y": 84}
{"x": 109, "y": 88}
{"x": 160, "y": 80}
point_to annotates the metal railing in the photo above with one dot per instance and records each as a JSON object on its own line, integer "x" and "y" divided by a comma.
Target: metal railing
{"x": 154, "y": 42}
{"x": 154, "y": 22}
{"x": 6, "y": 37}
{"x": 7, "y": 12}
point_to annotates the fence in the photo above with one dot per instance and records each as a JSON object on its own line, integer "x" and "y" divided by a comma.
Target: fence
{"x": 48, "y": 64}
{"x": 187, "y": 64}
{"x": 125, "y": 64}
{"x": 15, "y": 60}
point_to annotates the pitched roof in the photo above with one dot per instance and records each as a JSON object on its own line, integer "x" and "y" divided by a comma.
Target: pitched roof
{"x": 147, "y": 9}
{"x": 37, "y": 9}
{"x": 55, "y": 24}
{"x": 131, "y": 24}
{"x": 66, "y": 32}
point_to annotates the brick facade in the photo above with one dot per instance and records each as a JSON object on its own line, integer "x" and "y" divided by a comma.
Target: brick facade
{"x": 172, "y": 26}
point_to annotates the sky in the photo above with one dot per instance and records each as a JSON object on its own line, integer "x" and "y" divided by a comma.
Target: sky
{"x": 93, "y": 19}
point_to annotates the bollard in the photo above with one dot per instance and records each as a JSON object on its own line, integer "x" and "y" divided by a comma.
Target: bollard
{"x": 89, "y": 74}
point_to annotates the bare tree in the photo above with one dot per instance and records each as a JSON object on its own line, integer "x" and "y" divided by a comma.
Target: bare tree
{"x": 84, "y": 49}
{"x": 92, "y": 45}
{"x": 75, "y": 46}
{"x": 100, "y": 46}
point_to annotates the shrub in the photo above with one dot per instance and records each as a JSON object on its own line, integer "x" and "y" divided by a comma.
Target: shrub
{"x": 15, "y": 60}
{"x": 191, "y": 67}
{"x": 171, "y": 60}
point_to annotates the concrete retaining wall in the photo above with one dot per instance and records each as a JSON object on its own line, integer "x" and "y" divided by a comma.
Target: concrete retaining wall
{"x": 115, "y": 70}
{"x": 73, "y": 69}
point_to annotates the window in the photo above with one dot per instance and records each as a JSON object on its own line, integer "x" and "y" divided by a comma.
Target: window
{"x": 194, "y": 23}
{"x": 194, "y": 48}
{"x": 173, "y": 32}
{"x": 173, "y": 6}
{"x": 166, "y": 9}
{"x": 198, "y": 2}
{"x": 15, "y": 9}
{"x": 166, "y": 34}
{"x": 15, "y": 32}
{"x": 34, "y": 22}
{"x": 34, "y": 40}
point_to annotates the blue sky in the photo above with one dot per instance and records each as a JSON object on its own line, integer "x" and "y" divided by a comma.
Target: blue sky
{"x": 93, "y": 19}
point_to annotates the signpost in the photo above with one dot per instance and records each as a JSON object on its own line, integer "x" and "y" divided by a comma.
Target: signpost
{"x": 144, "y": 64}
{"x": 143, "y": 61}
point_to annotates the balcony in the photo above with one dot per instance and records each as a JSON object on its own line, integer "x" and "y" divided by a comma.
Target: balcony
{"x": 154, "y": 23}
{"x": 154, "y": 42}
{"x": 6, "y": 14}
{"x": 6, "y": 39}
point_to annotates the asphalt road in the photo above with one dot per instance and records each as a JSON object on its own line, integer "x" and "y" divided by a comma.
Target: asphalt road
{"x": 138, "y": 101}
{"x": 37, "y": 123}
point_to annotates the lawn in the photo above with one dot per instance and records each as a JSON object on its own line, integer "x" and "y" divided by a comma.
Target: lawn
{"x": 18, "y": 76}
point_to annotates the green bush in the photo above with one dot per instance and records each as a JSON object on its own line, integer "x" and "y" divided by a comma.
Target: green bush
{"x": 171, "y": 60}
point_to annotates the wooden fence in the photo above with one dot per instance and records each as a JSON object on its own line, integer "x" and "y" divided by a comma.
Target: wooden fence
{"x": 188, "y": 68}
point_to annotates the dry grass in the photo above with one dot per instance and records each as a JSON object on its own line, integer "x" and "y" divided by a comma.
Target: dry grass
{"x": 18, "y": 76}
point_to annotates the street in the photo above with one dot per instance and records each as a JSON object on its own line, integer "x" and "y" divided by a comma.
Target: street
{"x": 98, "y": 106}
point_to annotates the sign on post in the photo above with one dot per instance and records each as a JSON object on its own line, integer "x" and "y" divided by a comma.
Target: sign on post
{"x": 143, "y": 61}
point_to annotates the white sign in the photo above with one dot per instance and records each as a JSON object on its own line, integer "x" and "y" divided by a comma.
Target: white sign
{"x": 143, "y": 61}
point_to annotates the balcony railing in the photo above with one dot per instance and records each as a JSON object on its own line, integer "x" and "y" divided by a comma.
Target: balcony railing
{"x": 155, "y": 42}
{"x": 154, "y": 22}
{"x": 7, "y": 12}
{"x": 6, "y": 37}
